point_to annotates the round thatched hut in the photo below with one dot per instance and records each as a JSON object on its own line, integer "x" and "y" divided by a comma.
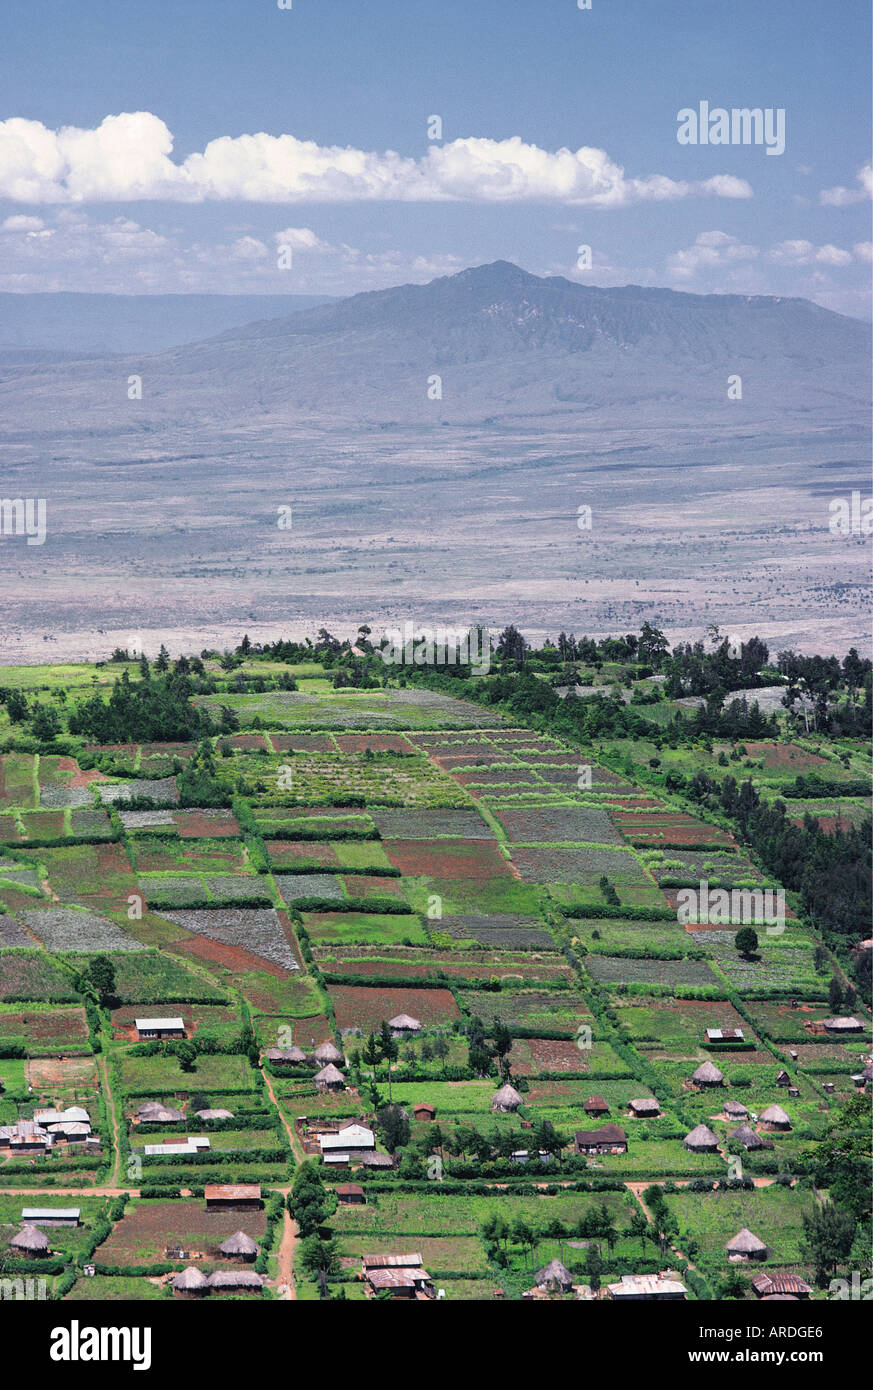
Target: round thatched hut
{"x": 239, "y": 1246}
{"x": 506, "y": 1100}
{"x": 329, "y": 1079}
{"x": 701, "y": 1140}
{"x": 31, "y": 1242}
{"x": 735, "y": 1109}
{"x": 554, "y": 1277}
{"x": 775, "y": 1118}
{"x": 328, "y": 1053}
{"x": 746, "y": 1136}
{"x": 708, "y": 1075}
{"x": 191, "y": 1283}
{"x": 746, "y": 1246}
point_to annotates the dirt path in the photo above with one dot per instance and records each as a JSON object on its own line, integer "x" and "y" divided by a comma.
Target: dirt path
{"x": 285, "y": 1275}
{"x": 109, "y": 1101}
{"x": 296, "y": 1146}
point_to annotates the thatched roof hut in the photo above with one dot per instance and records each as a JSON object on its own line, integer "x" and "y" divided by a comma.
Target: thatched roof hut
{"x": 214, "y": 1114}
{"x": 701, "y": 1140}
{"x": 746, "y": 1136}
{"x": 404, "y": 1023}
{"x": 327, "y": 1053}
{"x": 735, "y": 1109}
{"x": 235, "y": 1279}
{"x": 240, "y": 1246}
{"x": 286, "y": 1056}
{"x": 596, "y": 1105}
{"x": 708, "y": 1075}
{"x": 190, "y": 1281}
{"x": 646, "y": 1105}
{"x": 774, "y": 1117}
{"x": 506, "y": 1099}
{"x": 554, "y": 1276}
{"x": 329, "y": 1079}
{"x": 30, "y": 1241}
{"x": 154, "y": 1113}
{"x": 746, "y": 1246}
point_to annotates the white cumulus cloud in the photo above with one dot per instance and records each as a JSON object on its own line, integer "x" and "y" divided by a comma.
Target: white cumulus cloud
{"x": 128, "y": 158}
{"x": 841, "y": 196}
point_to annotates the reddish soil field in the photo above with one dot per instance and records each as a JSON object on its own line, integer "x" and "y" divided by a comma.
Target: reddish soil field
{"x": 788, "y": 755}
{"x": 302, "y": 743}
{"x": 371, "y": 886}
{"x": 479, "y": 757}
{"x": 475, "y": 861}
{"x": 229, "y": 957}
{"x": 630, "y": 803}
{"x": 244, "y": 743}
{"x": 363, "y": 1006}
{"x": 80, "y": 778}
{"x": 530, "y": 1056}
{"x": 8, "y": 830}
{"x": 58, "y": 1026}
{"x": 141, "y": 1237}
{"x": 43, "y": 824}
{"x": 284, "y": 852}
{"x": 520, "y": 776}
{"x": 380, "y": 743}
{"x": 194, "y": 1016}
{"x": 200, "y": 825}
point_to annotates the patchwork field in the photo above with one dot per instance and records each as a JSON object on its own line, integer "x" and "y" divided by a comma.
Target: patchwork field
{"x": 352, "y": 856}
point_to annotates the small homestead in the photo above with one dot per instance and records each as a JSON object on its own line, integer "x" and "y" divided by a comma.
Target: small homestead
{"x": 350, "y": 1194}
{"x": 51, "y": 1216}
{"x": 286, "y": 1056}
{"x": 423, "y": 1111}
{"x": 329, "y": 1079}
{"x": 232, "y": 1279}
{"x": 506, "y": 1100}
{"x": 554, "y": 1278}
{"x": 843, "y": 1025}
{"x": 707, "y": 1075}
{"x": 746, "y": 1136}
{"x": 327, "y": 1053}
{"x": 735, "y": 1110}
{"x": 647, "y": 1106}
{"x": 725, "y": 1035}
{"x": 404, "y": 1026}
{"x": 402, "y": 1275}
{"x": 152, "y": 1112}
{"x": 776, "y": 1283}
{"x": 746, "y": 1246}
{"x": 596, "y": 1105}
{"x": 701, "y": 1140}
{"x": 191, "y": 1283}
{"x": 148, "y": 1028}
{"x": 774, "y": 1118}
{"x": 638, "y": 1287}
{"x": 239, "y": 1246}
{"x": 611, "y": 1139}
{"x": 31, "y": 1243}
{"x": 233, "y": 1197}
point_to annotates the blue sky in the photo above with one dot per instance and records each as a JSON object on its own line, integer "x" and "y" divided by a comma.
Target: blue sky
{"x": 138, "y": 208}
